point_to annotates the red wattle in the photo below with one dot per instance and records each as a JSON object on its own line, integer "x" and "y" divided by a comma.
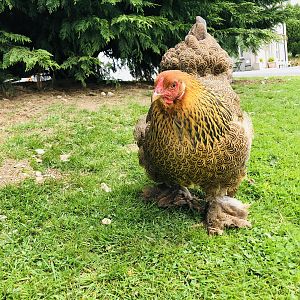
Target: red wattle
{"x": 168, "y": 101}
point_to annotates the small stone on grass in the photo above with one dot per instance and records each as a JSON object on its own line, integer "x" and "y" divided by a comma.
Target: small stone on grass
{"x": 40, "y": 151}
{"x": 65, "y": 157}
{"x": 105, "y": 187}
{"x": 38, "y": 174}
{"x": 3, "y": 218}
{"x": 39, "y": 178}
{"x": 106, "y": 221}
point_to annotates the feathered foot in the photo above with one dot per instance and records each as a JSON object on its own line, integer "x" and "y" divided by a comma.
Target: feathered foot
{"x": 173, "y": 197}
{"x": 226, "y": 212}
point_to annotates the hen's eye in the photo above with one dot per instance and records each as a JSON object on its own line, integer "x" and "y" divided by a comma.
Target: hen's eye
{"x": 173, "y": 85}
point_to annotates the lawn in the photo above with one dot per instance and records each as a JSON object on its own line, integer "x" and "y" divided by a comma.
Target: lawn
{"x": 54, "y": 245}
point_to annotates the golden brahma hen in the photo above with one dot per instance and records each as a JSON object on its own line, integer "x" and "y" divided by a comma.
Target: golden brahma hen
{"x": 196, "y": 135}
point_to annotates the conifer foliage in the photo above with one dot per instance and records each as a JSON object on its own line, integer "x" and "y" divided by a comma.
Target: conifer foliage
{"x": 65, "y": 36}
{"x": 293, "y": 31}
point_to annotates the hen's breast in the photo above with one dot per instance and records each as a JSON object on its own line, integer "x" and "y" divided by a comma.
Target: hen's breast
{"x": 165, "y": 152}
{"x": 177, "y": 151}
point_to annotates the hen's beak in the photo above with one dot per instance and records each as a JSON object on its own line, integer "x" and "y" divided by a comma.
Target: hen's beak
{"x": 155, "y": 96}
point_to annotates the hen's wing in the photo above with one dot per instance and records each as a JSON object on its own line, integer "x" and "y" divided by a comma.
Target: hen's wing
{"x": 140, "y": 130}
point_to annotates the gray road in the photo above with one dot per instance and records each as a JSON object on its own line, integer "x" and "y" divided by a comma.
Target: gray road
{"x": 291, "y": 71}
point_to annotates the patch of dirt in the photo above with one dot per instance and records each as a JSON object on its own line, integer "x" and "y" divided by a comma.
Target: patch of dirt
{"x": 49, "y": 174}
{"x": 29, "y": 103}
{"x": 13, "y": 172}
{"x": 3, "y": 136}
{"x": 90, "y": 106}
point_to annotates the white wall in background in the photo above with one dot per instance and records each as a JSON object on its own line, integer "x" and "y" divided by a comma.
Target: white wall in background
{"x": 121, "y": 73}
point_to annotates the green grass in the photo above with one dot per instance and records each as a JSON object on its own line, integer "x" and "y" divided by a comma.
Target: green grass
{"x": 54, "y": 246}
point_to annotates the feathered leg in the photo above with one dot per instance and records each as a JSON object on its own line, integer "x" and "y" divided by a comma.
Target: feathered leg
{"x": 174, "y": 196}
{"x": 224, "y": 211}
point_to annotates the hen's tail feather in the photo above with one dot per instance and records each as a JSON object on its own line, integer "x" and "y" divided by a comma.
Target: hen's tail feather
{"x": 198, "y": 54}
{"x": 199, "y": 29}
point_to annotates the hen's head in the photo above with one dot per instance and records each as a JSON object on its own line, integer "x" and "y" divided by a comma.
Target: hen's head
{"x": 170, "y": 87}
